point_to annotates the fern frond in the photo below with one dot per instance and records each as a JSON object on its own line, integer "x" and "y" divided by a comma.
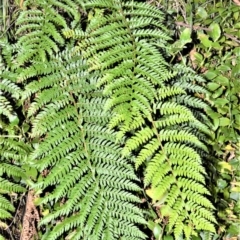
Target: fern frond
{"x": 40, "y": 30}
{"x": 123, "y": 46}
{"x": 97, "y": 107}
{"x": 76, "y": 146}
{"x": 191, "y": 102}
{"x": 5, "y": 107}
{"x": 167, "y": 91}
{"x": 186, "y": 74}
{"x": 9, "y": 87}
{"x": 13, "y": 150}
{"x": 191, "y": 87}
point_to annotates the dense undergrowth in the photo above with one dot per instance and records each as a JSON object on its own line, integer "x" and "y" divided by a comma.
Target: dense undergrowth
{"x": 209, "y": 41}
{"x": 119, "y": 120}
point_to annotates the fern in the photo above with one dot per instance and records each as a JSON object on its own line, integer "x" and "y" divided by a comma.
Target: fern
{"x": 101, "y": 98}
{"x": 77, "y": 147}
{"x": 38, "y": 33}
{"x": 13, "y": 150}
{"x": 132, "y": 68}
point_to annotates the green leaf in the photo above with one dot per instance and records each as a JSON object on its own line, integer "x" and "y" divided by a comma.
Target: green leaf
{"x": 217, "y": 46}
{"x": 222, "y": 80}
{"x": 236, "y": 17}
{"x": 202, "y": 13}
{"x": 210, "y": 74}
{"x": 215, "y": 124}
{"x": 224, "y": 68}
{"x": 236, "y": 70}
{"x": 237, "y": 51}
{"x": 218, "y": 93}
{"x": 14, "y": 120}
{"x": 157, "y": 231}
{"x": 205, "y": 40}
{"x": 235, "y": 196}
{"x": 223, "y": 121}
{"x": 237, "y": 25}
{"x": 232, "y": 43}
{"x": 213, "y": 115}
{"x": 237, "y": 206}
{"x": 222, "y": 109}
{"x": 212, "y": 86}
{"x": 198, "y": 57}
{"x": 151, "y": 225}
{"x": 185, "y": 36}
{"x": 234, "y": 162}
{"x": 234, "y": 229}
{"x": 25, "y": 127}
{"x": 221, "y": 101}
{"x": 221, "y": 183}
{"x": 168, "y": 237}
{"x": 215, "y": 32}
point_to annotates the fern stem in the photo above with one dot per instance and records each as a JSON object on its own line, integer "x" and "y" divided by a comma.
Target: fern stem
{"x": 83, "y": 134}
{"x": 10, "y": 136}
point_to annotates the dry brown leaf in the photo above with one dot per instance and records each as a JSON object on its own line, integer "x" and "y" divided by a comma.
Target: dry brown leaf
{"x": 193, "y": 58}
{"x": 30, "y": 219}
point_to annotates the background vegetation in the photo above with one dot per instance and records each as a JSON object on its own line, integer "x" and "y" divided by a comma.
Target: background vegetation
{"x": 208, "y": 39}
{"x": 205, "y": 36}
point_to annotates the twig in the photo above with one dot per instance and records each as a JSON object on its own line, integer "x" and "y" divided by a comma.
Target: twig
{"x": 206, "y": 29}
{"x": 16, "y": 212}
{"x": 232, "y": 37}
{"x": 10, "y": 234}
{"x": 10, "y": 136}
{"x": 194, "y": 26}
{"x": 21, "y": 4}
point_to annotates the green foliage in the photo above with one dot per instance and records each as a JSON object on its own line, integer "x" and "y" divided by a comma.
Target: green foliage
{"x": 130, "y": 74}
{"x": 97, "y": 96}
{"x": 13, "y": 150}
{"x": 92, "y": 184}
{"x": 214, "y": 51}
{"x": 90, "y": 180}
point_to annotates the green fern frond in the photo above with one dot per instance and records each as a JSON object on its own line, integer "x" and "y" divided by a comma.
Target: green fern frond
{"x": 13, "y": 150}
{"x": 167, "y": 91}
{"x": 5, "y": 107}
{"x": 172, "y": 120}
{"x": 207, "y": 235}
{"x": 9, "y": 87}
{"x": 173, "y": 108}
{"x": 132, "y": 67}
{"x": 191, "y": 102}
{"x": 76, "y": 146}
{"x": 8, "y": 187}
{"x": 186, "y": 74}
{"x": 191, "y": 87}
{"x": 40, "y": 30}
{"x": 71, "y": 8}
